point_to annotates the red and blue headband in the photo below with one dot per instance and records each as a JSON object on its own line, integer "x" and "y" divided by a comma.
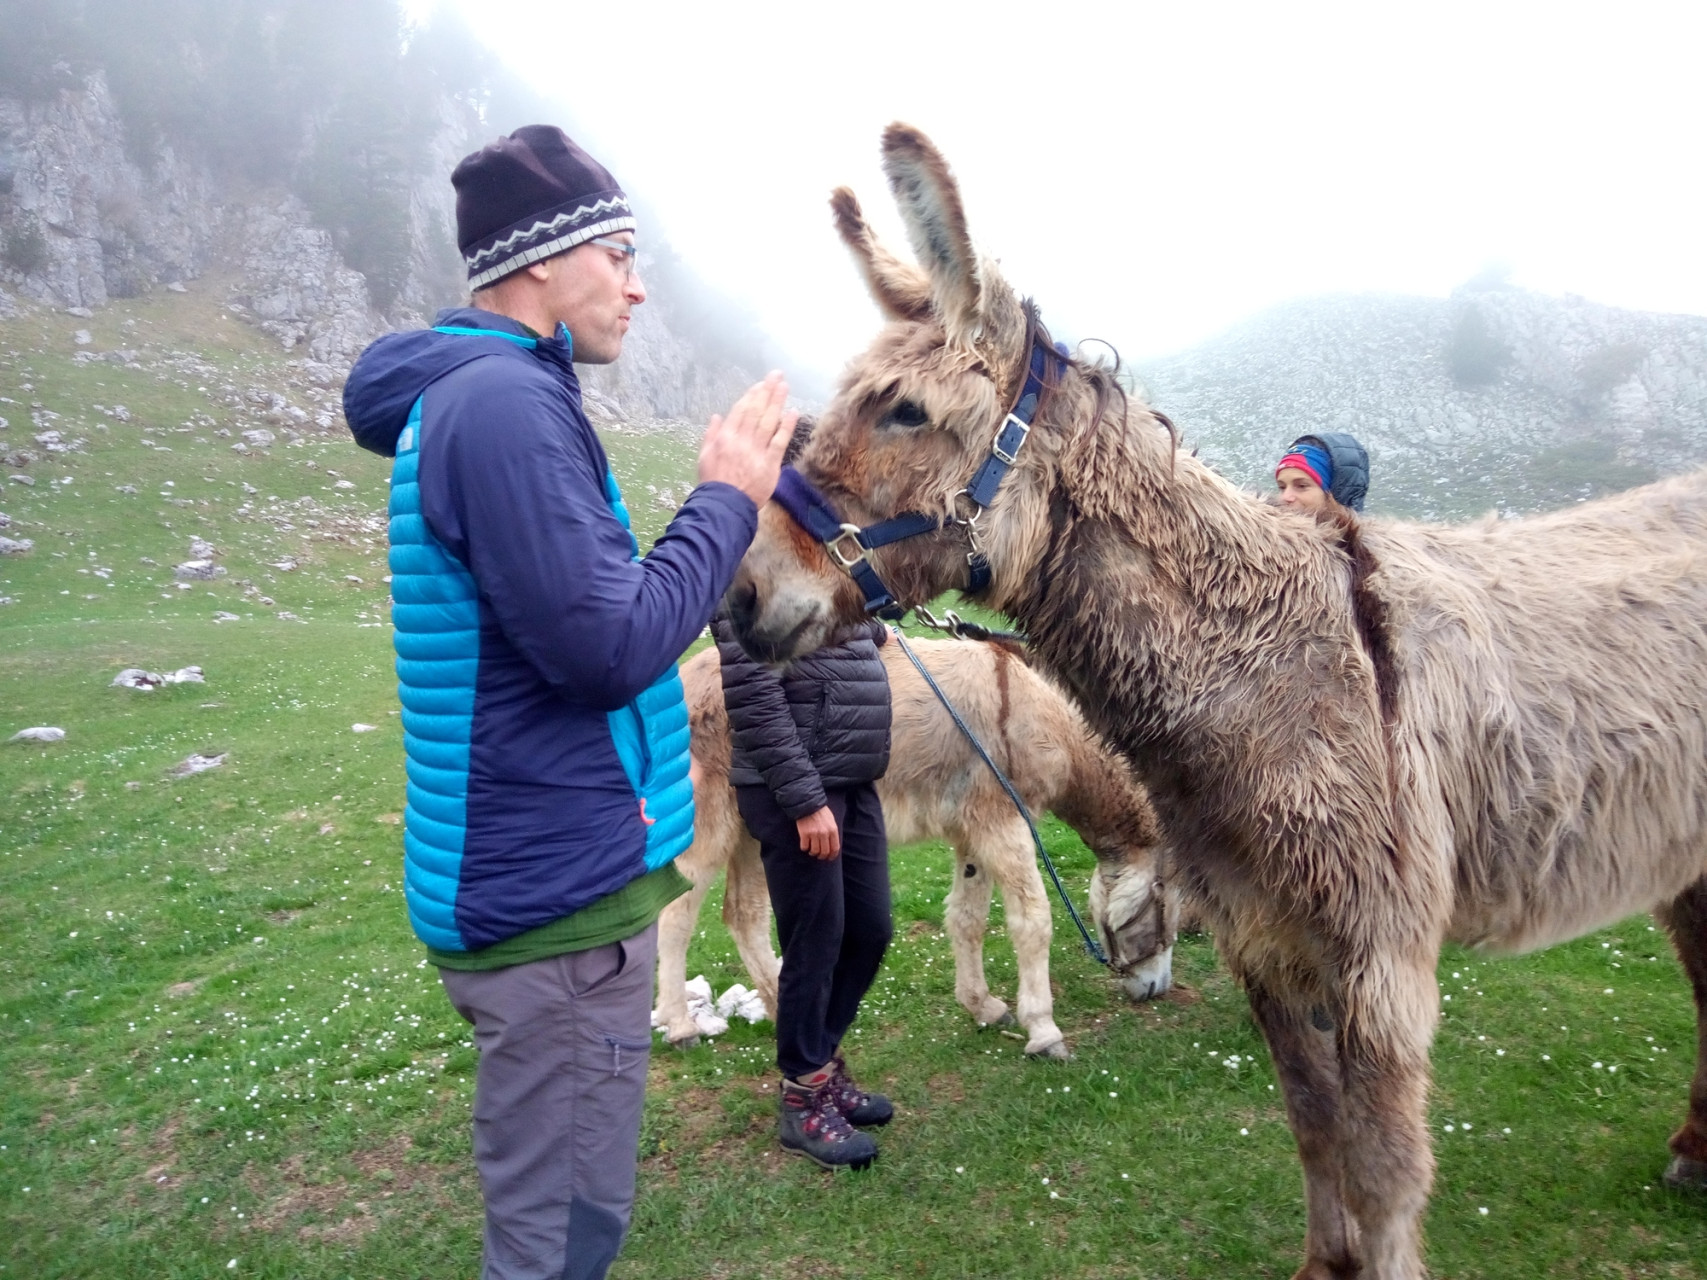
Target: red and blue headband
{"x": 1312, "y": 459}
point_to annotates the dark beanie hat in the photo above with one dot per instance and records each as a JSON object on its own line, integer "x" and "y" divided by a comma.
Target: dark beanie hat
{"x": 529, "y": 196}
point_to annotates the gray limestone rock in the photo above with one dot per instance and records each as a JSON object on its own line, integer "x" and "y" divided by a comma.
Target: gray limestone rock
{"x": 38, "y": 733}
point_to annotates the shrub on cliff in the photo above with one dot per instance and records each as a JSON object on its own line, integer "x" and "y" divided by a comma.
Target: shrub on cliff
{"x": 25, "y": 248}
{"x": 1474, "y": 354}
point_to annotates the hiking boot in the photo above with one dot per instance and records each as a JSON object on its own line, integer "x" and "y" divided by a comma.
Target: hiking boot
{"x": 860, "y": 1108}
{"x": 813, "y": 1127}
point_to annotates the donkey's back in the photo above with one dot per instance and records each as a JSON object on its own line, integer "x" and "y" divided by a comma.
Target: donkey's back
{"x": 1555, "y": 671}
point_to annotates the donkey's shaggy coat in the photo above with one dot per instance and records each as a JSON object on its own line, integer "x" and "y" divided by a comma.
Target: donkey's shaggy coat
{"x": 938, "y": 789}
{"x": 1361, "y": 738}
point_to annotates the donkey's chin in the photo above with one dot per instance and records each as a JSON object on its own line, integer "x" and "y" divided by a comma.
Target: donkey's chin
{"x": 1152, "y": 978}
{"x": 784, "y": 633}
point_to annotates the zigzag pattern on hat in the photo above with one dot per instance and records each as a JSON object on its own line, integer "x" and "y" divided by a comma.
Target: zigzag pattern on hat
{"x": 501, "y": 247}
{"x": 547, "y": 249}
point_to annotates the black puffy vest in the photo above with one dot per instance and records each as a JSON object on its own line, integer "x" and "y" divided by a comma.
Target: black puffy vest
{"x": 822, "y": 723}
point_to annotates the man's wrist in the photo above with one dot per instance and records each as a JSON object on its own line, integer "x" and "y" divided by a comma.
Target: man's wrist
{"x": 724, "y": 490}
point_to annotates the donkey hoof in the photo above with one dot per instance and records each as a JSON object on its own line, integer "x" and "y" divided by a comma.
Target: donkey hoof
{"x": 1007, "y": 1019}
{"x": 1055, "y": 1050}
{"x": 685, "y": 1043}
{"x": 1687, "y": 1175}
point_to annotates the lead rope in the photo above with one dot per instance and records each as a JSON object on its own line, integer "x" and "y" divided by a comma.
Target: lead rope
{"x": 1092, "y": 947}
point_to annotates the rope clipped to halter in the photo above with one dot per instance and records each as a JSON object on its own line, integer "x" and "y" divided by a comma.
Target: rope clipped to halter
{"x": 1092, "y": 947}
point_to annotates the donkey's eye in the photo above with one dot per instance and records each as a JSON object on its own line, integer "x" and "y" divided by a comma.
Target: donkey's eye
{"x": 908, "y": 413}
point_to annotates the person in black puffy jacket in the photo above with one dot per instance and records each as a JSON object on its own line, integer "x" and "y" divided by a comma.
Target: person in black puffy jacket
{"x": 808, "y": 743}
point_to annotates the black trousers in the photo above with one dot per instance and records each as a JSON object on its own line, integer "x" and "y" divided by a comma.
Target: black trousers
{"x": 832, "y": 919}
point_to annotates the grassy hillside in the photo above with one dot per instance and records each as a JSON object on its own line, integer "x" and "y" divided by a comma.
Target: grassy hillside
{"x": 224, "y": 1053}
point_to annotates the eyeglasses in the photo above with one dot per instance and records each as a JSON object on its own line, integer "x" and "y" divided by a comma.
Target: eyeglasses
{"x": 628, "y": 252}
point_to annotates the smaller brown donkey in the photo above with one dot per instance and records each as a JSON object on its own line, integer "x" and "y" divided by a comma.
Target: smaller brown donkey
{"x": 938, "y": 788}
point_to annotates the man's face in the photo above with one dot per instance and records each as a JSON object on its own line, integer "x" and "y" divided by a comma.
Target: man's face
{"x": 592, "y": 290}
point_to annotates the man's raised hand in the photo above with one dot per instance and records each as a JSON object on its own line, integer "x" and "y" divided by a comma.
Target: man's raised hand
{"x": 745, "y": 447}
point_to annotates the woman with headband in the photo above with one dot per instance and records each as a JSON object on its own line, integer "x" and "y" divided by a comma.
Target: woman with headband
{"x": 1319, "y": 469}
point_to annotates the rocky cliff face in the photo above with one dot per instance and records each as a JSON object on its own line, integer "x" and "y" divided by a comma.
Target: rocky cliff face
{"x": 81, "y": 220}
{"x": 1492, "y": 399}
{"x": 85, "y": 218}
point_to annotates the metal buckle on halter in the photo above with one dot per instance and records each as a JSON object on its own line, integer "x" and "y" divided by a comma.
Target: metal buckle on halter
{"x": 1013, "y": 420}
{"x": 834, "y": 547}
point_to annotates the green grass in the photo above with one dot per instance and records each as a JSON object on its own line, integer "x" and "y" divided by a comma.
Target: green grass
{"x": 220, "y": 1041}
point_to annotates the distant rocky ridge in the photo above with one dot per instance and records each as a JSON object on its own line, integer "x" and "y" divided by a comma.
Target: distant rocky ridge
{"x": 1493, "y": 399}
{"x": 83, "y": 220}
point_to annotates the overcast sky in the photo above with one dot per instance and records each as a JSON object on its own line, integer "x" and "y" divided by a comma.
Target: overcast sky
{"x": 1152, "y": 173}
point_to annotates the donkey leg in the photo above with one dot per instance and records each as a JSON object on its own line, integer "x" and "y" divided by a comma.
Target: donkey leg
{"x": 747, "y": 912}
{"x": 1301, "y": 1042}
{"x": 966, "y": 915}
{"x": 1686, "y": 920}
{"x": 1007, "y": 849}
{"x": 675, "y": 929}
{"x": 1384, "y": 1040}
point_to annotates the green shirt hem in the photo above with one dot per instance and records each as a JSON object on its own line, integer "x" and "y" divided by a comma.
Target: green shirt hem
{"x": 612, "y": 918}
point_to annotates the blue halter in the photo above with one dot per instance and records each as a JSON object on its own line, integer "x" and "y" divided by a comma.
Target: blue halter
{"x": 849, "y": 545}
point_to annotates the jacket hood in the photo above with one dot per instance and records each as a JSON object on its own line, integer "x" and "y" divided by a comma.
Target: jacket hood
{"x": 390, "y": 375}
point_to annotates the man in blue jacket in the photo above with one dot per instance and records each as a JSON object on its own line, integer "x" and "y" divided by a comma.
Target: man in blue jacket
{"x": 544, "y": 727}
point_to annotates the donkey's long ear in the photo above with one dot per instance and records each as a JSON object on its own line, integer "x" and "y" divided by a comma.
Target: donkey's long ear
{"x": 900, "y": 289}
{"x": 930, "y": 205}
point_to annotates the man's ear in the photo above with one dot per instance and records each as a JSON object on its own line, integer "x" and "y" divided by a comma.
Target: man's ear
{"x": 540, "y": 271}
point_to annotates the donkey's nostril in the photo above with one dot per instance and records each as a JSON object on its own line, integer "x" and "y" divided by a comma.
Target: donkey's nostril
{"x": 742, "y": 600}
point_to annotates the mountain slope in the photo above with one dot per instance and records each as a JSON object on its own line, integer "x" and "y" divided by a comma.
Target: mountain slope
{"x": 1492, "y": 399}
{"x": 302, "y": 154}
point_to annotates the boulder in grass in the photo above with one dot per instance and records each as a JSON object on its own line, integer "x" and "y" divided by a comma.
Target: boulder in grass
{"x": 198, "y": 571}
{"x": 16, "y": 546}
{"x": 194, "y": 764}
{"x": 201, "y": 549}
{"x": 147, "y": 681}
{"x": 40, "y": 733}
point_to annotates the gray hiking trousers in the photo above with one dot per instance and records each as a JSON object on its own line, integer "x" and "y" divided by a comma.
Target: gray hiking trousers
{"x": 564, "y": 1044}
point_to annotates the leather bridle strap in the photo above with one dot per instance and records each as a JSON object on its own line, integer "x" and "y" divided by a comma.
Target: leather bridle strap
{"x": 813, "y": 512}
{"x": 849, "y": 544}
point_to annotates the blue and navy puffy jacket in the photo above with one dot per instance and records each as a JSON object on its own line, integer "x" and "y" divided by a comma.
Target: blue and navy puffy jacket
{"x": 536, "y": 648}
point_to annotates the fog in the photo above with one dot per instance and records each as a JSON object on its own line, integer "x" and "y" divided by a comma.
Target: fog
{"x": 1151, "y": 173}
